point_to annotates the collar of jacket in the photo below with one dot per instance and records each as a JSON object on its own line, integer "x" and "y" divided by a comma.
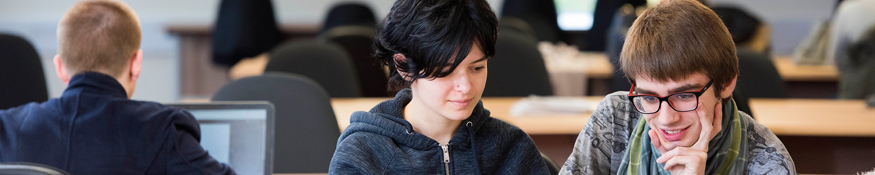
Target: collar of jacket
{"x": 95, "y": 83}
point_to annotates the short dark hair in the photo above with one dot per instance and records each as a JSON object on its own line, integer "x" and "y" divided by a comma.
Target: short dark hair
{"x": 676, "y": 39}
{"x": 98, "y": 36}
{"x": 434, "y": 36}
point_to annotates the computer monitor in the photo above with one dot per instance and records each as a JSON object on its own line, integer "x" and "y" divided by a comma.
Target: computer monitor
{"x": 239, "y": 134}
{"x": 575, "y": 15}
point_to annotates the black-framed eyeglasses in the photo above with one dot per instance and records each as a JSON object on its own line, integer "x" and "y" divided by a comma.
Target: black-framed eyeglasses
{"x": 681, "y": 101}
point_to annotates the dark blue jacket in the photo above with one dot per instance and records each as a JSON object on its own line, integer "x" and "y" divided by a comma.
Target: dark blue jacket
{"x": 95, "y": 129}
{"x": 382, "y": 142}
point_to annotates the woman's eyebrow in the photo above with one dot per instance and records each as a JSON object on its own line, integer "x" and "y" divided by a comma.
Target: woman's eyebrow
{"x": 481, "y": 59}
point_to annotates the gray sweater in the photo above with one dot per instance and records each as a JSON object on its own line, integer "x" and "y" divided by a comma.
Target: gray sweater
{"x": 600, "y": 146}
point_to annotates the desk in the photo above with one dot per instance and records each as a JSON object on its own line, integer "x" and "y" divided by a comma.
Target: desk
{"x": 791, "y": 72}
{"x": 791, "y": 117}
{"x": 814, "y": 117}
{"x": 498, "y": 106}
{"x": 823, "y": 136}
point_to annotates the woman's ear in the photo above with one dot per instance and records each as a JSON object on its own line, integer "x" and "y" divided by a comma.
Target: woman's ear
{"x": 401, "y": 59}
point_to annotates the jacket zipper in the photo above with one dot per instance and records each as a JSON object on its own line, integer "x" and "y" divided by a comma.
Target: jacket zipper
{"x": 446, "y": 158}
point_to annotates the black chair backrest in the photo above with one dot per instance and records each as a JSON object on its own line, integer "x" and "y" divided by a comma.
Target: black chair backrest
{"x": 614, "y": 41}
{"x": 517, "y": 25}
{"x": 742, "y": 101}
{"x": 741, "y": 25}
{"x": 306, "y": 127}
{"x": 26, "y": 168}
{"x": 539, "y": 14}
{"x": 21, "y": 73}
{"x": 551, "y": 165}
{"x": 326, "y": 63}
{"x": 373, "y": 81}
{"x": 352, "y": 26}
{"x": 758, "y": 75}
{"x": 517, "y": 68}
{"x": 243, "y": 28}
{"x": 349, "y": 14}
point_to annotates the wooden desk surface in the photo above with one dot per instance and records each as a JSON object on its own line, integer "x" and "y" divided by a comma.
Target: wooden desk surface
{"x": 596, "y": 65}
{"x": 793, "y": 117}
{"x": 791, "y": 72}
{"x": 815, "y": 117}
{"x": 203, "y": 29}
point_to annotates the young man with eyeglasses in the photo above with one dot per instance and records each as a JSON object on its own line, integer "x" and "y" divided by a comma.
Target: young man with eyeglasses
{"x": 682, "y": 65}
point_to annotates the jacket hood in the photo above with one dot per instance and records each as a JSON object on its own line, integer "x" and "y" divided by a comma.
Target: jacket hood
{"x": 387, "y": 119}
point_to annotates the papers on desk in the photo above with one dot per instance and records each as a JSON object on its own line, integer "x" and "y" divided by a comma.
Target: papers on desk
{"x": 544, "y": 105}
{"x": 562, "y": 58}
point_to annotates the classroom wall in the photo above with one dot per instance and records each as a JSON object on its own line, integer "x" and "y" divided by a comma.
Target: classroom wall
{"x": 36, "y": 20}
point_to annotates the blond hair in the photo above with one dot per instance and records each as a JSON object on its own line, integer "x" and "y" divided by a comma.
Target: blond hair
{"x": 98, "y": 36}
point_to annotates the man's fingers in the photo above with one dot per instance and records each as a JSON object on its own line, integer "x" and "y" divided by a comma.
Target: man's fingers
{"x": 667, "y": 155}
{"x": 684, "y": 161}
{"x": 677, "y": 161}
{"x": 654, "y": 138}
{"x": 680, "y": 151}
{"x": 704, "y": 137}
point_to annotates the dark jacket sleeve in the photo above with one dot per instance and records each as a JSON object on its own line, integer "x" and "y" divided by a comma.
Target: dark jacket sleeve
{"x": 354, "y": 155}
{"x": 527, "y": 159}
{"x": 186, "y": 154}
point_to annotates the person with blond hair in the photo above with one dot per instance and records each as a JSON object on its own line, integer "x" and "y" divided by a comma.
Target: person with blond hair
{"x": 94, "y": 127}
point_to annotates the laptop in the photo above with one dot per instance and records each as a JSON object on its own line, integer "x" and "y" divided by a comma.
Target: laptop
{"x": 238, "y": 133}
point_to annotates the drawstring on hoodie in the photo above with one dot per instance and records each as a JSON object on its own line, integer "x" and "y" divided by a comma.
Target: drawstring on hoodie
{"x": 470, "y": 126}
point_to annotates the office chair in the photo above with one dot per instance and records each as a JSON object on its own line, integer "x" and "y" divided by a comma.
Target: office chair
{"x": 21, "y": 73}
{"x": 352, "y": 26}
{"x": 540, "y": 15}
{"x": 517, "y": 68}
{"x": 326, "y": 63}
{"x": 616, "y": 37}
{"x": 25, "y": 168}
{"x": 243, "y": 28}
{"x": 742, "y": 99}
{"x": 551, "y": 165}
{"x": 741, "y": 24}
{"x": 516, "y": 25}
{"x": 759, "y": 77}
{"x": 349, "y": 14}
{"x": 306, "y": 127}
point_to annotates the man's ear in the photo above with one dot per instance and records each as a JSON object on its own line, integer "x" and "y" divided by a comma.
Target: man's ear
{"x": 401, "y": 59}
{"x": 60, "y": 70}
{"x": 728, "y": 88}
{"x": 136, "y": 65}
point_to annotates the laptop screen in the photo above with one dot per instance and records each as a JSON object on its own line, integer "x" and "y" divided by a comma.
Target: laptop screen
{"x": 239, "y": 134}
